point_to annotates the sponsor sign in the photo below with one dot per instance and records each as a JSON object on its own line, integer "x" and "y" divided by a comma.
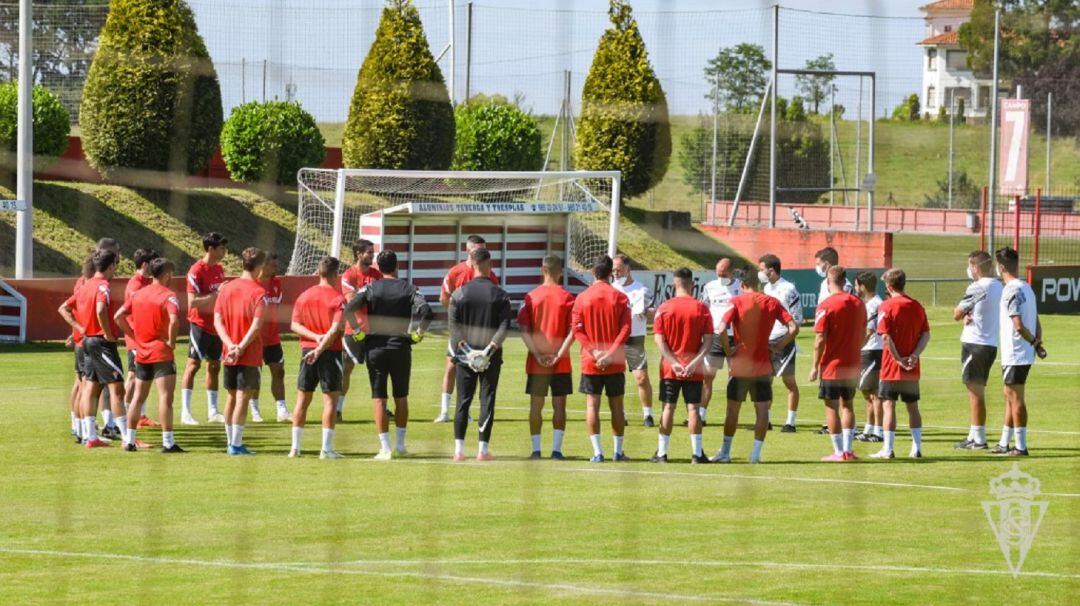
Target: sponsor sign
{"x": 1013, "y": 143}
{"x": 487, "y": 208}
{"x": 1057, "y": 288}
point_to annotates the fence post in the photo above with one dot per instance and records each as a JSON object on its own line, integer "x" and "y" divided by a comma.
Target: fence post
{"x": 1016, "y": 222}
{"x": 1038, "y": 224}
{"x": 933, "y": 293}
{"x": 982, "y": 220}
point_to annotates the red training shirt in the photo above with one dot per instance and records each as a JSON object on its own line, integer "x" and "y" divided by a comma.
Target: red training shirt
{"x": 318, "y": 309}
{"x": 460, "y": 275}
{"x": 683, "y": 322}
{"x": 148, "y": 313}
{"x": 842, "y": 319}
{"x": 83, "y": 305}
{"x": 239, "y": 302}
{"x": 76, "y": 336}
{"x": 546, "y": 314}
{"x": 751, "y": 318}
{"x": 351, "y": 282}
{"x": 137, "y": 282}
{"x": 601, "y": 319}
{"x": 270, "y": 333}
{"x": 203, "y": 279}
{"x": 904, "y": 320}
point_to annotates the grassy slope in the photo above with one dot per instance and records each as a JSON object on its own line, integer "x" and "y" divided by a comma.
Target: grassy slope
{"x": 280, "y": 531}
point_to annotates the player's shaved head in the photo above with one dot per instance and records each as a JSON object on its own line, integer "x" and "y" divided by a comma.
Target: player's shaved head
{"x": 684, "y": 279}
{"x": 253, "y": 258}
{"x": 836, "y": 276}
{"x": 329, "y": 267}
{"x": 474, "y": 242}
{"x": 723, "y": 267}
{"x": 552, "y": 265}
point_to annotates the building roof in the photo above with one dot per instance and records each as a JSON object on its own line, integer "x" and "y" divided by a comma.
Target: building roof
{"x": 942, "y": 39}
{"x": 945, "y": 5}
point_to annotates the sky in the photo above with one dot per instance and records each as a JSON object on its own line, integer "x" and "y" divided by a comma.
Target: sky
{"x": 312, "y": 49}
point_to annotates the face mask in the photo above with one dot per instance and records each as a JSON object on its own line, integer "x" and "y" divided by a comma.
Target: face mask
{"x": 623, "y": 281}
{"x": 725, "y": 281}
{"x": 763, "y": 277}
{"x": 820, "y": 270}
{"x": 970, "y": 273}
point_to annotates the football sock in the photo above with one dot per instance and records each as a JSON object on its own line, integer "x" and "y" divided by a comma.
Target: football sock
{"x": 836, "y": 448}
{"x": 459, "y": 446}
{"x": 702, "y": 412}
{"x": 229, "y": 435}
{"x": 328, "y": 439}
{"x": 618, "y": 444}
{"x": 399, "y": 436}
{"x": 297, "y": 432}
{"x": 89, "y": 430}
{"x": 444, "y": 404}
{"x": 556, "y": 440}
{"x": 868, "y": 429}
{"x": 121, "y": 423}
{"x": 211, "y": 398}
{"x": 282, "y": 406}
{"x": 167, "y": 439}
{"x": 597, "y": 449}
{"x": 1006, "y": 436}
{"x": 646, "y": 412}
{"x": 845, "y": 445}
{"x": 129, "y": 436}
{"x": 725, "y": 450}
{"x": 980, "y": 434}
{"x": 384, "y": 441}
{"x": 971, "y": 433}
{"x": 662, "y": 445}
{"x": 253, "y": 404}
{"x": 185, "y": 399}
{"x": 536, "y": 443}
{"x": 695, "y": 444}
{"x": 755, "y": 453}
{"x": 483, "y": 448}
{"x": 791, "y": 417}
{"x": 1021, "y": 438}
{"x": 890, "y": 441}
{"x": 107, "y": 417}
{"x": 340, "y": 403}
{"x": 238, "y": 435}
{"x": 916, "y": 438}
{"x": 75, "y": 423}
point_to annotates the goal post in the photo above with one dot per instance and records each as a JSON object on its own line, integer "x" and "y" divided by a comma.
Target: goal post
{"x": 428, "y": 214}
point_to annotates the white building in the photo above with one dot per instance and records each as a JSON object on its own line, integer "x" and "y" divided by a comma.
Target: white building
{"x": 946, "y": 77}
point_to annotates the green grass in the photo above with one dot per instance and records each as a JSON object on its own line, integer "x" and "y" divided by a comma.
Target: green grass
{"x": 203, "y": 527}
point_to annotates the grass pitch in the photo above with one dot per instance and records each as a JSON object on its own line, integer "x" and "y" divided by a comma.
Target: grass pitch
{"x": 78, "y": 525}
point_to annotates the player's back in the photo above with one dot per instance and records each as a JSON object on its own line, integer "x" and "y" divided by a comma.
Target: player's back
{"x": 983, "y": 299}
{"x": 150, "y": 309}
{"x": 317, "y": 309}
{"x": 390, "y": 304}
{"x": 1017, "y": 300}
{"x": 752, "y": 317}
{"x": 239, "y": 302}
{"x": 94, "y": 290}
{"x": 842, "y": 318}
{"x": 904, "y": 320}
{"x": 682, "y": 322}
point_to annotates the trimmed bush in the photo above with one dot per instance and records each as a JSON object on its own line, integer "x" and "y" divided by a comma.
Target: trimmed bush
{"x": 908, "y": 110}
{"x": 624, "y": 116}
{"x": 400, "y": 116}
{"x": 52, "y": 124}
{"x": 492, "y": 134}
{"x": 270, "y": 141}
{"x": 152, "y": 99}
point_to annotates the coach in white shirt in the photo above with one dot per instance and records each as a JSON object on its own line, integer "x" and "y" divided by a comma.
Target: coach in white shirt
{"x": 978, "y": 310}
{"x": 641, "y": 307}
{"x": 717, "y": 295}
{"x": 1021, "y": 341}
{"x": 783, "y": 359}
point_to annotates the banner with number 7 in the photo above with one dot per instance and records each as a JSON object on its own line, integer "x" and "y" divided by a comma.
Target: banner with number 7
{"x": 1013, "y": 146}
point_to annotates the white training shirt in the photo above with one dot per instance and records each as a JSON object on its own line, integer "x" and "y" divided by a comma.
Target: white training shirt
{"x": 789, "y": 297}
{"x": 823, "y": 291}
{"x": 1017, "y": 299}
{"x": 874, "y": 343}
{"x": 717, "y": 297}
{"x": 641, "y": 299}
{"x": 982, "y": 301}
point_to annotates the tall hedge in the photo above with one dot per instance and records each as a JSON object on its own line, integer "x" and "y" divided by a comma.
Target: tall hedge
{"x": 400, "y": 116}
{"x": 492, "y": 134}
{"x": 270, "y": 142}
{"x": 624, "y": 116}
{"x": 152, "y": 99}
{"x": 52, "y": 124}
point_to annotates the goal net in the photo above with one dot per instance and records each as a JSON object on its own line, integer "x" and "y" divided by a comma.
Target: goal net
{"x": 332, "y": 203}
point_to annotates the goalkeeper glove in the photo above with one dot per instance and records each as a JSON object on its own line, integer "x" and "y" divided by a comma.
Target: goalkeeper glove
{"x": 416, "y": 337}
{"x": 359, "y": 336}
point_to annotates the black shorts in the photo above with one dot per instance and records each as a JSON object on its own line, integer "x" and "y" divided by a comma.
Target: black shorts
{"x": 595, "y": 385}
{"x": 976, "y": 360}
{"x": 80, "y": 362}
{"x": 326, "y": 372}
{"x": 154, "y": 370}
{"x": 131, "y": 360}
{"x": 273, "y": 354}
{"x": 558, "y": 385}
{"x": 636, "y": 358}
{"x": 714, "y": 360}
{"x": 386, "y": 366}
{"x": 242, "y": 378}
{"x": 836, "y": 390}
{"x": 869, "y": 370}
{"x": 354, "y": 350}
{"x": 1015, "y": 375}
{"x": 759, "y": 388}
{"x": 905, "y": 391}
{"x": 101, "y": 363}
{"x": 203, "y": 345}
{"x": 670, "y": 389}
{"x": 783, "y": 362}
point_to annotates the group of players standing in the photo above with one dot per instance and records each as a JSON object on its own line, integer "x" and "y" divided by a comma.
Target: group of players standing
{"x": 367, "y": 316}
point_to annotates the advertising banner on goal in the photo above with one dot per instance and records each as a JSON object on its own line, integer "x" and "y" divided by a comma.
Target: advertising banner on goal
{"x": 1013, "y": 146}
{"x": 1057, "y": 288}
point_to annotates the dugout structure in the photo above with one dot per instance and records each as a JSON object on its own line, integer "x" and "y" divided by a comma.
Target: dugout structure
{"x": 426, "y": 216}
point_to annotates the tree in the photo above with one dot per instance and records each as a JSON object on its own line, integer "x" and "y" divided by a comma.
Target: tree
{"x": 270, "y": 142}
{"x": 965, "y": 193}
{"x": 794, "y": 111}
{"x": 400, "y": 116}
{"x": 624, "y": 116}
{"x": 492, "y": 134}
{"x": 737, "y": 74}
{"x": 152, "y": 99}
{"x": 52, "y": 125}
{"x": 816, "y": 88}
{"x": 908, "y": 110}
{"x": 1061, "y": 77}
{"x": 1033, "y": 32}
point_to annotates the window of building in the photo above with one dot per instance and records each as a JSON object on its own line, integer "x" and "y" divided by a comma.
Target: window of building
{"x": 948, "y": 28}
{"x": 931, "y": 97}
{"x": 931, "y": 59}
{"x": 956, "y": 60}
